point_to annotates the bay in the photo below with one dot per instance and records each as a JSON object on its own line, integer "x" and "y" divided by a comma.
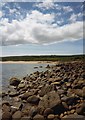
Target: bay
{"x": 19, "y": 70}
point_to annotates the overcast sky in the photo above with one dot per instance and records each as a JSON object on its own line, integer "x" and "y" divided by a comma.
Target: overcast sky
{"x": 35, "y": 28}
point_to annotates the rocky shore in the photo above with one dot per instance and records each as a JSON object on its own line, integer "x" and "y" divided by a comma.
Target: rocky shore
{"x": 55, "y": 94}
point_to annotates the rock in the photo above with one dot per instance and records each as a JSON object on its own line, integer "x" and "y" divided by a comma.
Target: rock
{"x": 13, "y": 94}
{"x": 33, "y": 99}
{"x": 48, "y": 66}
{"x": 17, "y": 115}
{"x": 72, "y": 111}
{"x": 6, "y": 108}
{"x": 38, "y": 117}
{"x": 56, "y": 83}
{"x": 83, "y": 92}
{"x": 26, "y": 95}
{"x": 18, "y": 105}
{"x": 6, "y": 103}
{"x": 72, "y": 100}
{"x": 78, "y": 92}
{"x": 47, "y": 112}
{"x": 81, "y": 109}
{"x": 21, "y": 85}
{"x": 45, "y": 90}
{"x": 14, "y": 109}
{"x": 55, "y": 119}
{"x": 26, "y": 118}
{"x": 33, "y": 111}
{"x": 60, "y": 91}
{"x": 52, "y": 100}
{"x": 6, "y": 116}
{"x": 74, "y": 117}
{"x": 14, "y": 81}
{"x": 3, "y": 94}
{"x": 65, "y": 105}
{"x": 51, "y": 117}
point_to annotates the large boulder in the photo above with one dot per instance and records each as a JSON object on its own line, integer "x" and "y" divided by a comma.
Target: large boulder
{"x": 14, "y": 81}
{"x": 52, "y": 100}
{"x": 45, "y": 90}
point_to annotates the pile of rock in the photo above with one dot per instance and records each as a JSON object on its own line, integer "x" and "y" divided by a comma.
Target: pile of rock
{"x": 55, "y": 94}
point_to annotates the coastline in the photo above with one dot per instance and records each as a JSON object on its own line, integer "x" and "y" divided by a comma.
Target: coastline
{"x": 29, "y": 62}
{"x": 61, "y": 84}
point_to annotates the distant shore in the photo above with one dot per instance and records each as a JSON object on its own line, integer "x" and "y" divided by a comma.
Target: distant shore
{"x": 29, "y": 62}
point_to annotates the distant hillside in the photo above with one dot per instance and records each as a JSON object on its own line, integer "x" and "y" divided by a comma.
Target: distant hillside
{"x": 43, "y": 58}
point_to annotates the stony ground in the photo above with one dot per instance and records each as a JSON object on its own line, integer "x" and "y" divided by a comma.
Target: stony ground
{"x": 55, "y": 94}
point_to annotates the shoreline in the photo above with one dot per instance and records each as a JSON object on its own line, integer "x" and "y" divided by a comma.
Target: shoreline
{"x": 29, "y": 62}
{"x": 55, "y": 90}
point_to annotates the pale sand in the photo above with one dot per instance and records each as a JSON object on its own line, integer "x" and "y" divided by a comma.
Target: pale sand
{"x": 29, "y": 62}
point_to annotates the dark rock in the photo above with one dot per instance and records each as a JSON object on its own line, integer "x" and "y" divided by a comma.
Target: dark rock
{"x": 81, "y": 109}
{"x": 48, "y": 66}
{"x": 33, "y": 99}
{"x": 26, "y": 95}
{"x": 14, "y": 94}
{"x": 72, "y": 100}
{"x": 47, "y": 111}
{"x": 6, "y": 103}
{"x": 33, "y": 111}
{"x": 52, "y": 100}
{"x": 45, "y": 90}
{"x": 3, "y": 94}
{"x": 14, "y": 81}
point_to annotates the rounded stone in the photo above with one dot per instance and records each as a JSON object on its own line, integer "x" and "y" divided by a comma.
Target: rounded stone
{"x": 48, "y": 111}
{"x": 6, "y": 116}
{"x": 38, "y": 117}
{"x": 16, "y": 115}
{"x": 51, "y": 116}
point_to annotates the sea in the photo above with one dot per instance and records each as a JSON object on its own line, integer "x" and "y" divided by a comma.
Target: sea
{"x": 19, "y": 70}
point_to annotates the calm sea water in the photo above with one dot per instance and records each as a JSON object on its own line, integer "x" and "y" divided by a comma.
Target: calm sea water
{"x": 18, "y": 70}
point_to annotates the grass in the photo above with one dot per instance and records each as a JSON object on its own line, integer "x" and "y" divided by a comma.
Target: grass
{"x": 44, "y": 58}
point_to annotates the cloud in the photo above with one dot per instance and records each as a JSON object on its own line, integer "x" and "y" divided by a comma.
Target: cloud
{"x": 47, "y": 4}
{"x": 74, "y": 17}
{"x": 51, "y": 4}
{"x": 1, "y": 14}
{"x": 38, "y": 28}
{"x": 67, "y": 9}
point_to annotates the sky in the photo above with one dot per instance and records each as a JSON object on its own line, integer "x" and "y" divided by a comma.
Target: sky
{"x": 41, "y": 28}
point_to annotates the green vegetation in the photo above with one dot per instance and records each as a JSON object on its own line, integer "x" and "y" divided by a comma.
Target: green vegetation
{"x": 44, "y": 58}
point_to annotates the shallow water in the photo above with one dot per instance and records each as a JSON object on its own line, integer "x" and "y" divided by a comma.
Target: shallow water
{"x": 19, "y": 70}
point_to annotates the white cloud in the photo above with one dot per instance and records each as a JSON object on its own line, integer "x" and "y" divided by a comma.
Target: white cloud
{"x": 67, "y": 9}
{"x": 1, "y": 14}
{"x": 75, "y": 17}
{"x": 12, "y": 11}
{"x": 38, "y": 28}
{"x": 45, "y": 4}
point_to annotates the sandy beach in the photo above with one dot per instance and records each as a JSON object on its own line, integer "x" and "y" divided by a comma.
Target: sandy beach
{"x": 29, "y": 62}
